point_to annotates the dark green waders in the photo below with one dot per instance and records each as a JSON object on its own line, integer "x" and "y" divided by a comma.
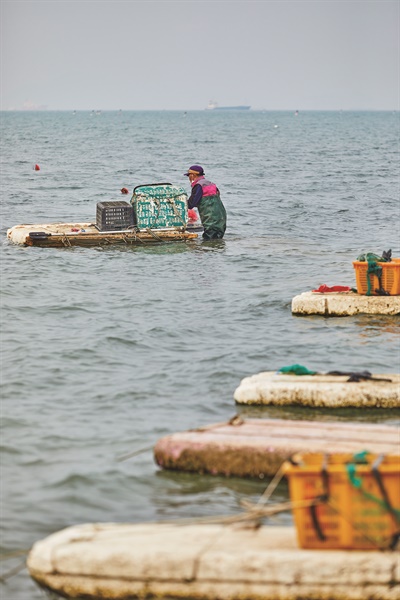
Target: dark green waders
{"x": 213, "y": 217}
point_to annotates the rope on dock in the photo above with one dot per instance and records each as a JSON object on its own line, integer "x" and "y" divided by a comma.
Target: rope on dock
{"x": 235, "y": 421}
{"x": 66, "y": 241}
{"x": 14, "y": 570}
{"x": 134, "y": 453}
{"x": 252, "y": 514}
{"x": 155, "y": 236}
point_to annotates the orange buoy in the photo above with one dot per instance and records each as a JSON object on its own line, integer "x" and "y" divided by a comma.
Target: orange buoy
{"x": 124, "y": 191}
{"x": 37, "y": 168}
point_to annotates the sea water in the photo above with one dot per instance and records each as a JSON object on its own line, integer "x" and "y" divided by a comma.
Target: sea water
{"x": 105, "y": 351}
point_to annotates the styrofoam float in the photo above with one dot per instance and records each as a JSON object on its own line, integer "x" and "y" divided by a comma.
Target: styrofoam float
{"x": 127, "y": 561}
{"x": 331, "y": 391}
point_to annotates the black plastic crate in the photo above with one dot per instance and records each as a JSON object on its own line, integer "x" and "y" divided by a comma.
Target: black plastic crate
{"x": 114, "y": 216}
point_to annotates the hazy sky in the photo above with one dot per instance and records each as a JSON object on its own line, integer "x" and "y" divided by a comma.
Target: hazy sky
{"x": 133, "y": 54}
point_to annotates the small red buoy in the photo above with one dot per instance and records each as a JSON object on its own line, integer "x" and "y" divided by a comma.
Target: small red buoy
{"x": 124, "y": 191}
{"x": 192, "y": 214}
{"x": 37, "y": 168}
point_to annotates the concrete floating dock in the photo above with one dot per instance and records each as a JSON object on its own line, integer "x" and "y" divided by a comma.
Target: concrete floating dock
{"x": 205, "y": 562}
{"x": 65, "y": 235}
{"x": 344, "y": 304}
{"x": 331, "y": 391}
{"x": 258, "y": 447}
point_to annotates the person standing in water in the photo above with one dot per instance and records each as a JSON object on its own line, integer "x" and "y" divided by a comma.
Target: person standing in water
{"x": 206, "y": 198}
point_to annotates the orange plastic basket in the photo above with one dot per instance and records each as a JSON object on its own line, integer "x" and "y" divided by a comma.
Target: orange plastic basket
{"x": 345, "y": 516}
{"x": 390, "y": 277}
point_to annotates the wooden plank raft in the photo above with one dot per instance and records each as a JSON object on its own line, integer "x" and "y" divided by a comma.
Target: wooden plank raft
{"x": 58, "y": 235}
{"x": 205, "y": 561}
{"x": 344, "y": 304}
{"x": 331, "y": 391}
{"x": 258, "y": 447}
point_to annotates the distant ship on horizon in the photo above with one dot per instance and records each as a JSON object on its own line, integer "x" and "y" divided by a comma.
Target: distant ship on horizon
{"x": 212, "y": 105}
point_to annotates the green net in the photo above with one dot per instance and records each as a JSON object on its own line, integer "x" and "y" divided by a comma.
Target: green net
{"x": 159, "y": 206}
{"x": 159, "y": 191}
{"x": 297, "y": 370}
{"x": 357, "y": 482}
{"x": 370, "y": 256}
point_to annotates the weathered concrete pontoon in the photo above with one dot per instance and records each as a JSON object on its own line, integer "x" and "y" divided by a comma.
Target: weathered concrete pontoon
{"x": 258, "y": 447}
{"x": 331, "y": 391}
{"x": 58, "y": 235}
{"x": 344, "y": 304}
{"x": 205, "y": 561}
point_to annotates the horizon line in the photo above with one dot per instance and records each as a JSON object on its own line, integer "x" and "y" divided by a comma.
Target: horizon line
{"x": 186, "y": 110}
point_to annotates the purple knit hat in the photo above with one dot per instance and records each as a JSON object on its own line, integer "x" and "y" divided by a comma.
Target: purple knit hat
{"x": 195, "y": 169}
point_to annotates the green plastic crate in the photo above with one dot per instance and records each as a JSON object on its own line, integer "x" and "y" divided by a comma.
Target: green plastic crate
{"x": 159, "y": 206}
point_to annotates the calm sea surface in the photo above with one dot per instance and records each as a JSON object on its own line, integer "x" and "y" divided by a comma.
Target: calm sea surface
{"x": 106, "y": 351}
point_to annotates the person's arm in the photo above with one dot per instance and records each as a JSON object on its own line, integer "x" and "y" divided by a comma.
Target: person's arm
{"x": 195, "y": 196}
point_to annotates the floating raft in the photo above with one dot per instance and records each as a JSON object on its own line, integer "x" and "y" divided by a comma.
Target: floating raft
{"x": 258, "y": 447}
{"x": 56, "y": 235}
{"x": 331, "y": 391}
{"x": 344, "y": 304}
{"x": 193, "y": 562}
